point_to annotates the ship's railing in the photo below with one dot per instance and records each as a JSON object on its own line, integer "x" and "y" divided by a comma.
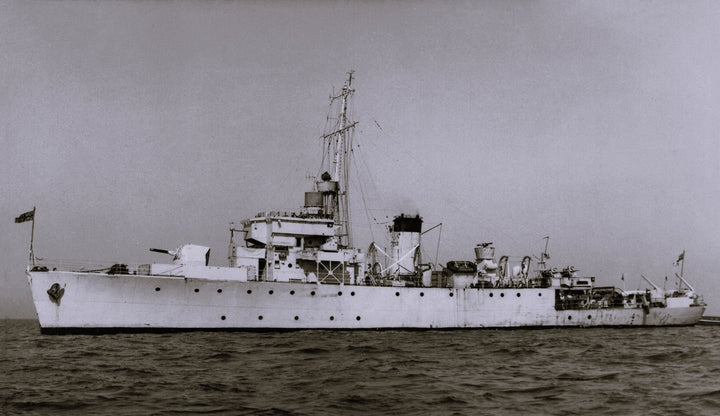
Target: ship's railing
{"x": 292, "y": 214}
{"x": 699, "y": 301}
{"x": 85, "y": 266}
{"x": 583, "y": 299}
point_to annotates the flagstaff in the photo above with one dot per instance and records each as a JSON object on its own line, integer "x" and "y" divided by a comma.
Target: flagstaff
{"x": 681, "y": 261}
{"x": 29, "y": 216}
{"x": 682, "y": 264}
{"x": 32, "y": 238}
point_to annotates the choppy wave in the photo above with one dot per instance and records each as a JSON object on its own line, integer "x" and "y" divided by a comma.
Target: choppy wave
{"x": 648, "y": 371}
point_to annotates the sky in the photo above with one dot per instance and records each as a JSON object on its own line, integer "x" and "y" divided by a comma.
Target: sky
{"x": 132, "y": 125}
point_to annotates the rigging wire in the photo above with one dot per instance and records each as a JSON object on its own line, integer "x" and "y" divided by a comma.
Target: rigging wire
{"x": 461, "y": 198}
{"x": 369, "y": 172}
{"x": 362, "y": 194}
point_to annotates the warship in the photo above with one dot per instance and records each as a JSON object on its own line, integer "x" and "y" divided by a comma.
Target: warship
{"x": 299, "y": 270}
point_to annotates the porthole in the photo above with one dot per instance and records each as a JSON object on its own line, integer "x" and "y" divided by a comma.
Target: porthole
{"x": 222, "y": 317}
{"x": 157, "y": 289}
{"x": 422, "y": 294}
{"x": 312, "y": 293}
{"x": 491, "y": 295}
{"x": 219, "y": 290}
{"x": 352, "y": 293}
{"x": 260, "y": 317}
{"x": 539, "y": 294}
{"x": 339, "y": 293}
{"x": 357, "y": 318}
{"x": 451, "y": 294}
{"x": 502, "y": 295}
{"x": 589, "y": 316}
{"x": 249, "y": 291}
{"x": 569, "y": 318}
{"x": 289, "y": 265}
{"x": 397, "y": 293}
{"x": 297, "y": 317}
{"x": 197, "y": 290}
{"x": 292, "y": 292}
{"x": 332, "y": 318}
{"x": 270, "y": 292}
{"x": 518, "y": 295}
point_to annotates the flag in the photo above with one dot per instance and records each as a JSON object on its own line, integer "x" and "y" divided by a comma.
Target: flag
{"x": 26, "y": 216}
{"x": 681, "y": 257}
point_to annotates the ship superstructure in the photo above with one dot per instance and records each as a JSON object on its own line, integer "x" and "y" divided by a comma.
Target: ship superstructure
{"x": 299, "y": 270}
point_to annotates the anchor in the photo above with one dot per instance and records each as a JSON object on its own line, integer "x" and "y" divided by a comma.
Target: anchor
{"x": 56, "y": 292}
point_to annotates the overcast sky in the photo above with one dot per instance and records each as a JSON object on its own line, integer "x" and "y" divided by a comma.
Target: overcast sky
{"x": 133, "y": 125}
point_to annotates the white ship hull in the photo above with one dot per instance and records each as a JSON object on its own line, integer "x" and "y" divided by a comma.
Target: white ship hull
{"x": 93, "y": 302}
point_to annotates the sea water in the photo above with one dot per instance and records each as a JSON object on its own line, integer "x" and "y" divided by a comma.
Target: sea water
{"x": 604, "y": 371}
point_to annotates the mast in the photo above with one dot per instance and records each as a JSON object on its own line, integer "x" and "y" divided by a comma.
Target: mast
{"x": 337, "y": 144}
